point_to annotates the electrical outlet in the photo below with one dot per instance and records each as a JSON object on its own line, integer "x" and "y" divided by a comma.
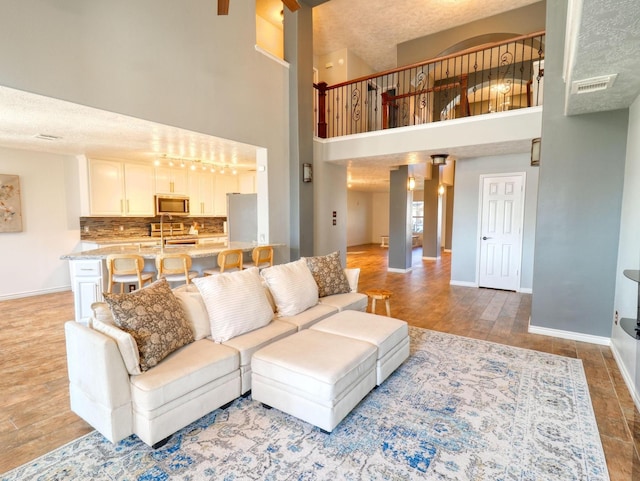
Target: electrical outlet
{"x": 616, "y": 318}
{"x": 121, "y": 228}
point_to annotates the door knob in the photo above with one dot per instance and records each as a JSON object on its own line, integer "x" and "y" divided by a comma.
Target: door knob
{"x": 485, "y": 238}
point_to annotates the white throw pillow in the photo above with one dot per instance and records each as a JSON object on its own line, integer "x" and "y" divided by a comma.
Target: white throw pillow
{"x": 126, "y": 344}
{"x": 196, "y": 313}
{"x": 292, "y": 286}
{"x": 236, "y": 303}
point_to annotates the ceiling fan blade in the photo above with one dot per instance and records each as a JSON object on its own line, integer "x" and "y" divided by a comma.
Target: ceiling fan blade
{"x": 223, "y": 7}
{"x": 292, "y": 5}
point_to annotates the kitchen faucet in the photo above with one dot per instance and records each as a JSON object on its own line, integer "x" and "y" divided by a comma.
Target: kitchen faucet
{"x": 162, "y": 232}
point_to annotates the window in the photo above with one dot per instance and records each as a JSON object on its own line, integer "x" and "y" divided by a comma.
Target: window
{"x": 417, "y": 217}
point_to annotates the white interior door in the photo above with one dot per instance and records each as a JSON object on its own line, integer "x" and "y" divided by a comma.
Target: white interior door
{"x": 501, "y": 231}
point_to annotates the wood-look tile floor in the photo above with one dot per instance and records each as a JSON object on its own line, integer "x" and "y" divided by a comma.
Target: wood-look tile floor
{"x": 34, "y": 401}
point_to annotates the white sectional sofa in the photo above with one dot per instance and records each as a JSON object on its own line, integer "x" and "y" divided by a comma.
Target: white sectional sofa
{"x": 122, "y": 386}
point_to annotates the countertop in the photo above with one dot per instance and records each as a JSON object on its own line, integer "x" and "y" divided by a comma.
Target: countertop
{"x": 136, "y": 240}
{"x": 151, "y": 252}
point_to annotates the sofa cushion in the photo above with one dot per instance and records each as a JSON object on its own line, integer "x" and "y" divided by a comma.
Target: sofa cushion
{"x": 155, "y": 319}
{"x": 195, "y": 311}
{"x": 248, "y": 343}
{"x": 292, "y": 287}
{"x": 126, "y": 344}
{"x": 328, "y": 274}
{"x": 183, "y": 371}
{"x": 309, "y": 317}
{"x": 352, "y": 301}
{"x": 236, "y": 303}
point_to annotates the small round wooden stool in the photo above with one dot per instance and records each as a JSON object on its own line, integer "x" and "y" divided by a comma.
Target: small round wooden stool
{"x": 379, "y": 294}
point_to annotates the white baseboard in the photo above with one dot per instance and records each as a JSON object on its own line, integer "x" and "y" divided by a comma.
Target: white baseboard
{"x": 628, "y": 380}
{"x": 462, "y": 283}
{"x": 446, "y": 250}
{"x": 526, "y": 290}
{"x": 20, "y": 295}
{"x": 430, "y": 258}
{"x": 570, "y": 335}
{"x": 401, "y": 271}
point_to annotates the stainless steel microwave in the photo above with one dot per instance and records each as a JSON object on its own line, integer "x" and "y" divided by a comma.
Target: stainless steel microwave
{"x": 172, "y": 205}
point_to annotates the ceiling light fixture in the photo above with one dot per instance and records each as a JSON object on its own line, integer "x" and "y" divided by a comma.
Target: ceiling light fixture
{"x": 439, "y": 159}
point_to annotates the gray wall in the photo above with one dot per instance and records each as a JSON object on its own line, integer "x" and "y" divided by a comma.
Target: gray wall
{"x": 125, "y": 57}
{"x": 580, "y": 189}
{"x": 464, "y": 247}
{"x": 528, "y": 19}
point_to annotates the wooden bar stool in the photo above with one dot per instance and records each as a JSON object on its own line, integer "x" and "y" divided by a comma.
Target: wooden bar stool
{"x": 262, "y": 256}
{"x": 125, "y": 269}
{"x": 379, "y": 294}
{"x": 228, "y": 260}
{"x": 175, "y": 268}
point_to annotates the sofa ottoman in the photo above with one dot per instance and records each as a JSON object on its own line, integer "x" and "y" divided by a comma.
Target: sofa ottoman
{"x": 315, "y": 376}
{"x": 389, "y": 335}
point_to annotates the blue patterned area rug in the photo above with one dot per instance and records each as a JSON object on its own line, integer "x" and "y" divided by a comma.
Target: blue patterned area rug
{"x": 457, "y": 409}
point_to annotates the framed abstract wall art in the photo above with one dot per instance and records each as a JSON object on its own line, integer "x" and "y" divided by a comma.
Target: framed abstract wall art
{"x": 10, "y": 209}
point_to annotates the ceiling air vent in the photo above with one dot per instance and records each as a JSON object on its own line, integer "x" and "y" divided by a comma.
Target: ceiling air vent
{"x": 47, "y": 137}
{"x": 593, "y": 84}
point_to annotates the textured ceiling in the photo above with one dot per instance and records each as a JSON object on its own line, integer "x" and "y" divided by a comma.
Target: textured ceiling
{"x": 77, "y": 130}
{"x": 373, "y": 28}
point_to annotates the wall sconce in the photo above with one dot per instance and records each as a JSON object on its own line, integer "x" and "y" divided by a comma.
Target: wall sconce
{"x": 411, "y": 183}
{"x": 441, "y": 190}
{"x": 535, "y": 151}
{"x": 307, "y": 173}
{"x": 439, "y": 159}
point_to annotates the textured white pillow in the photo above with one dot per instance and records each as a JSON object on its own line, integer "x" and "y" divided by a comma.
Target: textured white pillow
{"x": 292, "y": 286}
{"x": 236, "y": 303}
{"x": 126, "y": 344}
{"x": 196, "y": 313}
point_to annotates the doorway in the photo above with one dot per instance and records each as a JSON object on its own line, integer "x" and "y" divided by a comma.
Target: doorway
{"x": 501, "y": 225}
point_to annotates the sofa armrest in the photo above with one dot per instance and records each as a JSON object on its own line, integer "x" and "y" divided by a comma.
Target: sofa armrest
{"x": 98, "y": 381}
{"x": 353, "y": 274}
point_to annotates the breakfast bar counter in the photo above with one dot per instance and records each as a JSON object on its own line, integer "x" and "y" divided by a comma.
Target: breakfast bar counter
{"x": 89, "y": 275}
{"x": 151, "y": 252}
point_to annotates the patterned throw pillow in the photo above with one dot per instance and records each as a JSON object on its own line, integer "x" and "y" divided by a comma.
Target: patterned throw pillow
{"x": 155, "y": 319}
{"x": 328, "y": 274}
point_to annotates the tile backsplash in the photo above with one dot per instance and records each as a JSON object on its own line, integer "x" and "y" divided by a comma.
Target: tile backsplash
{"x": 96, "y": 228}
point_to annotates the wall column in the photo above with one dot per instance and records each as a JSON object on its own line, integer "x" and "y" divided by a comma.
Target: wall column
{"x": 431, "y": 234}
{"x": 298, "y": 51}
{"x": 400, "y": 200}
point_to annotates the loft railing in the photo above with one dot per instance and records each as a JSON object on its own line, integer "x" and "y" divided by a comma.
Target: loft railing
{"x": 491, "y": 78}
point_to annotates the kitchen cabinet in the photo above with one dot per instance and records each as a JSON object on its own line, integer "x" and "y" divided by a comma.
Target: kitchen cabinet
{"x": 172, "y": 180}
{"x": 88, "y": 280}
{"x": 201, "y": 185}
{"x": 247, "y": 183}
{"x": 119, "y": 188}
{"x": 224, "y": 184}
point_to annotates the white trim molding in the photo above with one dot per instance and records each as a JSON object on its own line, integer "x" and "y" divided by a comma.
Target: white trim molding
{"x": 628, "y": 379}
{"x": 463, "y": 283}
{"x": 430, "y": 258}
{"x": 39, "y": 292}
{"x": 400, "y": 271}
{"x": 570, "y": 335}
{"x": 525, "y": 290}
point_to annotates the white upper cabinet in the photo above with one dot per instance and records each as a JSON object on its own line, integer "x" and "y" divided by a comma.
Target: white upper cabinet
{"x": 201, "y": 185}
{"x": 118, "y": 188}
{"x": 172, "y": 180}
{"x": 247, "y": 183}
{"x": 224, "y": 184}
{"x": 138, "y": 186}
